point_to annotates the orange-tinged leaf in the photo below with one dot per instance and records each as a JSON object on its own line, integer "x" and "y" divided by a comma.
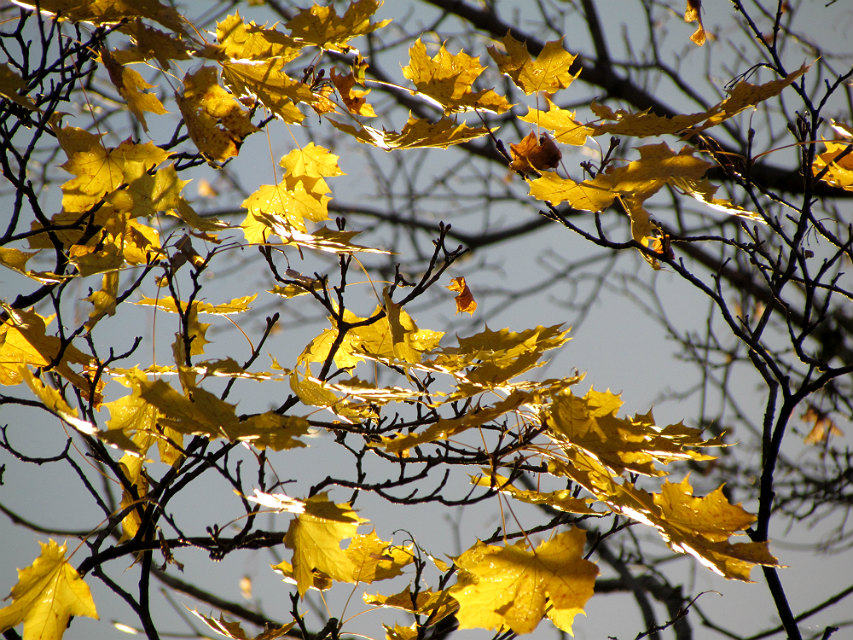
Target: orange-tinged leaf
{"x": 315, "y": 537}
{"x": 514, "y": 588}
{"x": 465, "y": 300}
{"x": 47, "y": 594}
{"x": 533, "y": 154}
{"x": 549, "y": 72}
{"x": 693, "y": 13}
{"x": 374, "y": 559}
{"x": 234, "y": 630}
{"x": 216, "y": 122}
{"x": 322, "y": 27}
{"x": 354, "y": 99}
{"x": 433, "y": 605}
{"x": 448, "y": 79}
{"x": 823, "y": 428}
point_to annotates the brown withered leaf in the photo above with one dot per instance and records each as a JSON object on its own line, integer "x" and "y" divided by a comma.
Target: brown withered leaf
{"x": 533, "y": 154}
{"x": 465, "y": 300}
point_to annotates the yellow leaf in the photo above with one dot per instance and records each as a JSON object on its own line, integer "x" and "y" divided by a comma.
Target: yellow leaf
{"x": 133, "y": 89}
{"x": 562, "y": 122}
{"x": 103, "y": 301}
{"x": 216, "y": 122}
{"x": 448, "y": 78}
{"x": 512, "y": 587}
{"x": 433, "y": 605}
{"x": 465, "y": 300}
{"x": 374, "y": 559}
{"x": 110, "y": 11}
{"x": 234, "y": 630}
{"x": 269, "y": 83}
{"x": 151, "y": 43}
{"x": 417, "y": 133}
{"x": 13, "y": 87}
{"x": 315, "y": 537}
{"x": 561, "y": 500}
{"x": 322, "y": 27}
{"x": 549, "y": 72}
{"x": 241, "y": 41}
{"x": 23, "y": 340}
{"x": 837, "y": 169}
{"x": 47, "y": 594}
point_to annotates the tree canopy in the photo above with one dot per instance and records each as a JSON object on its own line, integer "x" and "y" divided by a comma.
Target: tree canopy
{"x": 252, "y": 272}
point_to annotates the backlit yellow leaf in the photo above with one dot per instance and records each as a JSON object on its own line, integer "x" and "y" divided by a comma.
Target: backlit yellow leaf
{"x": 417, "y": 133}
{"x": 321, "y": 26}
{"x": 110, "y": 11}
{"x": 241, "y": 41}
{"x": 549, "y": 72}
{"x": 47, "y": 594}
{"x": 561, "y": 122}
{"x": 512, "y": 587}
{"x": 216, "y": 122}
{"x": 133, "y": 89}
{"x": 448, "y": 79}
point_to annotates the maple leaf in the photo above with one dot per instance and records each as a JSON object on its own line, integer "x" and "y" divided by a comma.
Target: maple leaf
{"x": 241, "y": 41}
{"x": 533, "y": 154}
{"x": 133, "y": 89}
{"x": 47, "y": 594}
{"x": 465, "y": 300}
{"x": 448, "y": 78}
{"x": 268, "y": 82}
{"x": 354, "y": 99}
{"x": 216, "y": 122}
{"x": 234, "y": 630}
{"x": 374, "y": 559}
{"x": 590, "y": 424}
{"x": 823, "y": 428}
{"x": 151, "y": 43}
{"x": 315, "y": 537}
{"x": 512, "y": 587}
{"x": 561, "y": 121}
{"x": 549, "y": 72}
{"x": 322, "y": 27}
{"x": 23, "y": 341}
{"x": 417, "y": 133}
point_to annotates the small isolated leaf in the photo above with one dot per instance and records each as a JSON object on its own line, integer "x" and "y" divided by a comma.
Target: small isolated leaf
{"x": 693, "y": 13}
{"x": 549, "y": 72}
{"x": 216, "y": 122}
{"x": 513, "y": 587}
{"x": 533, "y": 155}
{"x": 823, "y": 428}
{"x": 448, "y": 78}
{"x": 47, "y": 594}
{"x": 465, "y": 300}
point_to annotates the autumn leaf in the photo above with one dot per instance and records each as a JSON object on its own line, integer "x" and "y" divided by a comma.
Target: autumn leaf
{"x": 241, "y": 41}
{"x": 268, "y": 82}
{"x": 322, "y": 27}
{"x": 465, "y": 300}
{"x": 47, "y": 594}
{"x": 693, "y": 13}
{"x": 549, "y": 72}
{"x": 374, "y": 559}
{"x": 234, "y": 630}
{"x": 417, "y": 133}
{"x": 110, "y": 11}
{"x": 835, "y": 165}
{"x": 354, "y": 99}
{"x": 216, "y": 122}
{"x": 13, "y": 87}
{"x": 561, "y": 122}
{"x": 512, "y": 587}
{"x": 150, "y": 43}
{"x": 562, "y": 500}
{"x": 315, "y": 537}
{"x": 132, "y": 88}
{"x": 824, "y": 427}
{"x": 448, "y": 78}
{"x": 533, "y": 154}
